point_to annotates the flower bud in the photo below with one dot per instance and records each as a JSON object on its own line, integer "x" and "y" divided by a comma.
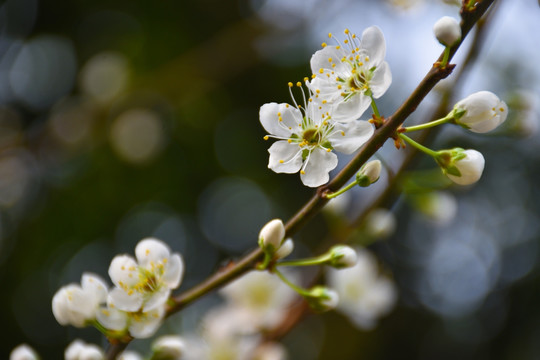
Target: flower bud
{"x": 369, "y": 173}
{"x": 79, "y": 350}
{"x": 464, "y": 167}
{"x": 168, "y": 348}
{"x": 447, "y": 31}
{"x": 285, "y": 250}
{"x": 23, "y": 352}
{"x": 342, "y": 256}
{"x": 272, "y": 235}
{"x": 130, "y": 355}
{"x": 321, "y": 298}
{"x": 480, "y": 112}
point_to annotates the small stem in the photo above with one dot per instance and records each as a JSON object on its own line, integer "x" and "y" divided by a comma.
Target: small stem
{"x": 430, "y": 124}
{"x": 420, "y": 147}
{"x": 306, "y": 262}
{"x": 346, "y": 188}
{"x": 445, "y": 58}
{"x": 374, "y": 107}
{"x": 296, "y": 288}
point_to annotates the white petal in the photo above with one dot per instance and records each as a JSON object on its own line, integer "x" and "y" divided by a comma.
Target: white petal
{"x": 123, "y": 270}
{"x": 158, "y": 298}
{"x": 91, "y": 352}
{"x": 319, "y": 165}
{"x": 351, "y": 109}
{"x": 150, "y": 252}
{"x": 327, "y": 88}
{"x": 74, "y": 349}
{"x": 381, "y": 80}
{"x": 93, "y": 284}
{"x": 60, "y": 307}
{"x": 291, "y": 117}
{"x": 174, "y": 270}
{"x": 121, "y": 300}
{"x": 373, "y": 41}
{"x": 146, "y": 325}
{"x": 319, "y": 60}
{"x": 470, "y": 167}
{"x": 112, "y": 319}
{"x": 347, "y": 138}
{"x": 285, "y": 157}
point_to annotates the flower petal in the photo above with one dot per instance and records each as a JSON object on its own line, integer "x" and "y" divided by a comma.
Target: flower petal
{"x": 319, "y": 165}
{"x": 375, "y": 45}
{"x": 158, "y": 298}
{"x": 112, "y": 319}
{"x": 290, "y": 118}
{"x": 347, "y": 138}
{"x": 285, "y": 157}
{"x": 146, "y": 325}
{"x": 381, "y": 80}
{"x": 324, "y": 58}
{"x": 125, "y": 301}
{"x": 174, "y": 269}
{"x": 351, "y": 109}
{"x": 123, "y": 271}
{"x": 94, "y": 286}
{"x": 150, "y": 252}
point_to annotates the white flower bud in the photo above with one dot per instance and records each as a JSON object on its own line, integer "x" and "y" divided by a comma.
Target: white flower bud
{"x": 464, "y": 167}
{"x": 322, "y": 299}
{"x": 130, "y": 355}
{"x": 23, "y": 352}
{"x": 447, "y": 31}
{"x": 168, "y": 347}
{"x": 271, "y": 235}
{"x": 480, "y": 112}
{"x": 285, "y": 250}
{"x": 79, "y": 350}
{"x": 342, "y": 256}
{"x": 369, "y": 173}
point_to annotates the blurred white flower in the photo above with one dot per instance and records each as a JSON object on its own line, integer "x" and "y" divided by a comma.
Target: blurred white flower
{"x": 447, "y": 30}
{"x": 145, "y": 284}
{"x": 105, "y": 76}
{"x": 79, "y": 350}
{"x": 170, "y": 347}
{"x": 347, "y": 75}
{"x": 77, "y": 304}
{"x": 130, "y": 355}
{"x": 380, "y": 223}
{"x": 270, "y": 351}
{"x": 480, "y": 112}
{"x": 439, "y": 206}
{"x": 259, "y": 300}
{"x": 23, "y": 352}
{"x": 364, "y": 295}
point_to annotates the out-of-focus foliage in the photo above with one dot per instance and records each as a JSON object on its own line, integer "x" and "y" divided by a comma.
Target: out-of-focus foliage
{"x": 126, "y": 119}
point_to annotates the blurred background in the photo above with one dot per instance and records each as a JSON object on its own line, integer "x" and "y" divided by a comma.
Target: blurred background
{"x": 126, "y": 119}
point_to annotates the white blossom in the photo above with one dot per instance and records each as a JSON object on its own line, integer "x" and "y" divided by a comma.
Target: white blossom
{"x": 77, "y": 304}
{"x": 480, "y": 112}
{"x": 79, "y": 350}
{"x": 369, "y": 173}
{"x": 271, "y": 235}
{"x": 138, "y": 324}
{"x": 469, "y": 164}
{"x": 364, "y": 295}
{"x": 23, "y": 352}
{"x": 145, "y": 284}
{"x": 170, "y": 347}
{"x": 447, "y": 30}
{"x": 347, "y": 75}
{"x": 259, "y": 299}
{"x": 307, "y": 135}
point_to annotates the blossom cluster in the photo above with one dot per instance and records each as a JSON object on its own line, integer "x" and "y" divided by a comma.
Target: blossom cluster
{"x": 135, "y": 305}
{"x": 346, "y": 78}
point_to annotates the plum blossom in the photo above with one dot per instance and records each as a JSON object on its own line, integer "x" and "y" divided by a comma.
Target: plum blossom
{"x": 138, "y": 324}
{"x": 307, "y": 135}
{"x": 364, "y": 295}
{"x": 348, "y": 76}
{"x": 144, "y": 284}
{"x": 480, "y": 112}
{"x": 79, "y": 350}
{"x": 77, "y": 304}
{"x": 23, "y": 352}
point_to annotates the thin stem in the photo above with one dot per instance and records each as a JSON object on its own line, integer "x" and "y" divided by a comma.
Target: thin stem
{"x": 430, "y": 124}
{"x": 346, "y": 188}
{"x": 374, "y": 107}
{"x": 306, "y": 262}
{"x": 296, "y": 288}
{"x": 419, "y": 146}
{"x": 446, "y": 55}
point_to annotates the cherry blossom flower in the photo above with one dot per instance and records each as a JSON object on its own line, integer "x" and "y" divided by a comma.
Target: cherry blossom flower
{"x": 307, "y": 135}
{"x": 144, "y": 284}
{"x": 348, "y": 75}
{"x": 77, "y": 304}
{"x": 364, "y": 295}
{"x": 138, "y": 324}
{"x": 23, "y": 352}
{"x": 480, "y": 112}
